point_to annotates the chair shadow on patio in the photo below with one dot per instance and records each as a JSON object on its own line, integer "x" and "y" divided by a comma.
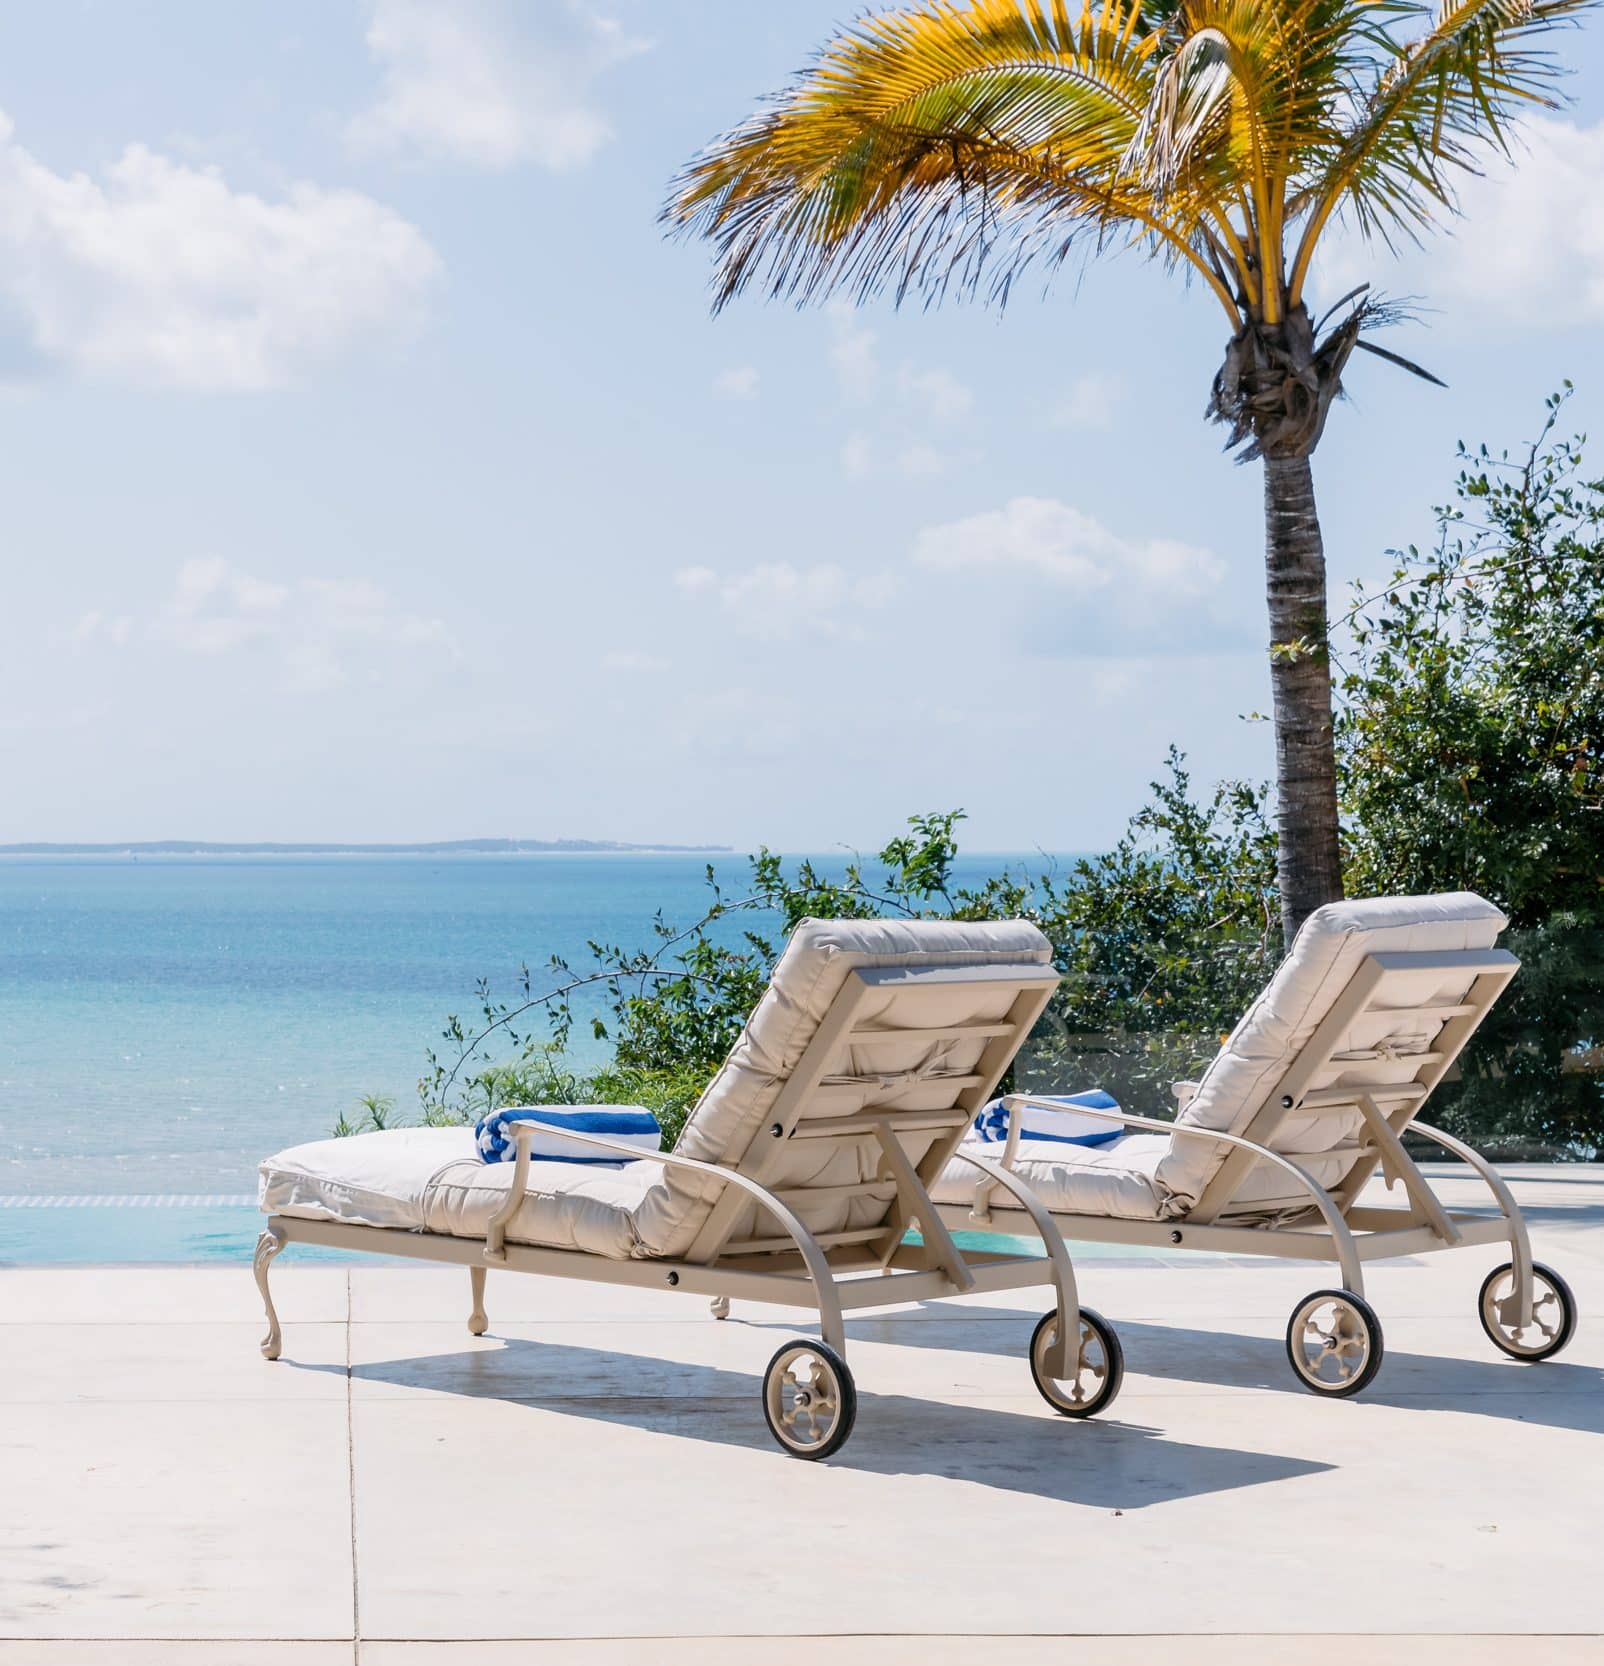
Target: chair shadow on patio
{"x": 1105, "y": 1463}
{"x": 1555, "y": 1393}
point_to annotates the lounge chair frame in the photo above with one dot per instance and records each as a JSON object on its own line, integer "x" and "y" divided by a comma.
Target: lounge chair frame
{"x": 832, "y": 1273}
{"x": 1335, "y": 1226}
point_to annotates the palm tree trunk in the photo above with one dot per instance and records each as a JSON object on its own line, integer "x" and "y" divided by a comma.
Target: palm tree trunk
{"x": 1309, "y": 867}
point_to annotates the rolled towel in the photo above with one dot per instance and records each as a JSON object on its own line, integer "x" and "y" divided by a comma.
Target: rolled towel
{"x": 630, "y": 1124}
{"x": 1065, "y": 1127}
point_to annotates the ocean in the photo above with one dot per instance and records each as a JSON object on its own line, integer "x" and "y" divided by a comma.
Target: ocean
{"x": 167, "y": 1021}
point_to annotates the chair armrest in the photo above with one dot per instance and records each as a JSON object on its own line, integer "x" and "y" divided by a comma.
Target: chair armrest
{"x": 1348, "y": 1255}
{"x": 523, "y": 1131}
{"x": 1185, "y": 1093}
{"x": 525, "y": 1128}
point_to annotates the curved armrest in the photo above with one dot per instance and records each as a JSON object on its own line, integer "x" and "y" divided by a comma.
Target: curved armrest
{"x": 1057, "y": 1252}
{"x": 1520, "y": 1243}
{"x": 1347, "y": 1254}
{"x": 813, "y": 1256}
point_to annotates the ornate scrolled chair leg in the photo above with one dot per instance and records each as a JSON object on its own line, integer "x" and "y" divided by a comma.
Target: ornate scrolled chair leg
{"x": 478, "y": 1323}
{"x": 267, "y": 1246}
{"x": 721, "y": 1307}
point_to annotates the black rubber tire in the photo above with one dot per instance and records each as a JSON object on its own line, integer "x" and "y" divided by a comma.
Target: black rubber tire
{"x": 847, "y": 1392}
{"x": 1113, "y": 1353}
{"x": 1567, "y": 1302}
{"x": 1377, "y": 1345}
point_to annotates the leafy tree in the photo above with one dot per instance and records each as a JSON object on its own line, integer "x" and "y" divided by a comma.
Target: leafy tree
{"x": 1472, "y": 749}
{"x": 946, "y": 149}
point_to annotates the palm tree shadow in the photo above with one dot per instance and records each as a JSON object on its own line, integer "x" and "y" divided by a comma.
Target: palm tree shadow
{"x": 1554, "y": 1393}
{"x": 1102, "y": 1463}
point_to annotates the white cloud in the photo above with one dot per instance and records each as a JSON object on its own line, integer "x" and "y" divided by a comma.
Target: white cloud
{"x": 775, "y": 599}
{"x": 905, "y": 410}
{"x": 852, "y": 355}
{"x": 96, "y": 626}
{"x": 857, "y": 456}
{"x": 920, "y": 461}
{"x": 1089, "y": 402}
{"x": 160, "y": 272}
{"x": 937, "y": 393}
{"x": 694, "y": 580}
{"x": 489, "y": 84}
{"x": 629, "y": 661}
{"x": 315, "y": 633}
{"x": 1527, "y": 252}
{"x": 738, "y": 382}
{"x": 1090, "y": 587}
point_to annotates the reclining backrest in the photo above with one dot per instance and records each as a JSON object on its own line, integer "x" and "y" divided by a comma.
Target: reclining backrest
{"x": 911, "y": 1022}
{"x": 1367, "y": 997}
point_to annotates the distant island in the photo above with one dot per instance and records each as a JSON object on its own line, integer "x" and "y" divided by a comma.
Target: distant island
{"x": 444, "y": 847}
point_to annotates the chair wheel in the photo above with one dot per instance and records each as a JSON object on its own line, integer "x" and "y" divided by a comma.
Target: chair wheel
{"x": 1334, "y": 1343}
{"x": 1553, "y": 1313}
{"x": 1100, "y": 1370}
{"x": 809, "y": 1399}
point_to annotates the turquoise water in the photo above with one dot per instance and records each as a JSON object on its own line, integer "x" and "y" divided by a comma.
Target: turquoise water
{"x": 165, "y": 1023}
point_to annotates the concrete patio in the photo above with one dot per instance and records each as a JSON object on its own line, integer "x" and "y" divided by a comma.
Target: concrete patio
{"x": 593, "y": 1483}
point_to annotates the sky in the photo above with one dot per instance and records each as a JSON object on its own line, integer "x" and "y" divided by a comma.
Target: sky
{"x": 373, "y": 468}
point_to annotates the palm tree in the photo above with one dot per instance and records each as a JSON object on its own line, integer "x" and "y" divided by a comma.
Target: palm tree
{"x": 945, "y": 150}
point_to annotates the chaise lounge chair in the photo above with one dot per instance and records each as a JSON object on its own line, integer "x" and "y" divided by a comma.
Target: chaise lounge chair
{"x": 794, "y": 1181}
{"x": 1269, "y": 1152}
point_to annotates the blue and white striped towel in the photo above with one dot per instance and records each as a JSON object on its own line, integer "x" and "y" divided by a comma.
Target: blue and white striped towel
{"x": 1065, "y": 1127}
{"x": 628, "y": 1123}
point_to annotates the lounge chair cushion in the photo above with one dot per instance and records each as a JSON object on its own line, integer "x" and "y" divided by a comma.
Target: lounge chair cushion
{"x": 1257, "y": 1053}
{"x": 432, "y": 1180}
{"x": 1115, "y": 1178}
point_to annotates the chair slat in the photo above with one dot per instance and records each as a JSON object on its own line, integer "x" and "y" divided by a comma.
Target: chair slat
{"x": 945, "y": 1032}
{"x": 867, "y": 1121}
{"x": 1399, "y": 1092}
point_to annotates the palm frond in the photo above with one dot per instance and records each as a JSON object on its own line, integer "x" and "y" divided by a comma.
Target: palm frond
{"x": 949, "y": 145}
{"x": 1434, "y": 100}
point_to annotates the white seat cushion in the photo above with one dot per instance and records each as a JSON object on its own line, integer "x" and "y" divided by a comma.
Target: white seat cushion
{"x": 1113, "y": 1179}
{"x": 432, "y": 1180}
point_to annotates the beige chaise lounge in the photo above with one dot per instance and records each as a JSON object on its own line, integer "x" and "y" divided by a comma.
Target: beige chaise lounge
{"x": 1306, "y": 1098}
{"x": 794, "y": 1181}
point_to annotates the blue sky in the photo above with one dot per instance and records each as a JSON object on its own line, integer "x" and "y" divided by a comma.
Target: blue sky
{"x": 373, "y": 469}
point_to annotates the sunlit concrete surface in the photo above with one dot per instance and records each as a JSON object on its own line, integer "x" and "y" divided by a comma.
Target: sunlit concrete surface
{"x": 592, "y": 1482}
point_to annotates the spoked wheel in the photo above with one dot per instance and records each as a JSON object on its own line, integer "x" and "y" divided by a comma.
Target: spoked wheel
{"x": 1553, "y": 1313}
{"x": 809, "y": 1399}
{"x": 1334, "y": 1342}
{"x": 1099, "y": 1371}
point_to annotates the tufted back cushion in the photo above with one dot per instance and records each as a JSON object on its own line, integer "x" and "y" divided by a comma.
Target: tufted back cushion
{"x": 1328, "y": 950}
{"x": 905, "y": 1073}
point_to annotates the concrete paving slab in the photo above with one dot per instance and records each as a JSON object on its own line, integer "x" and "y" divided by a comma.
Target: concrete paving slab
{"x": 131, "y": 1363}
{"x": 166, "y": 1295}
{"x": 212, "y": 1651}
{"x": 167, "y": 1495}
{"x": 940, "y": 1358}
{"x": 164, "y": 1519}
{"x": 994, "y": 1651}
{"x": 1233, "y": 1515}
